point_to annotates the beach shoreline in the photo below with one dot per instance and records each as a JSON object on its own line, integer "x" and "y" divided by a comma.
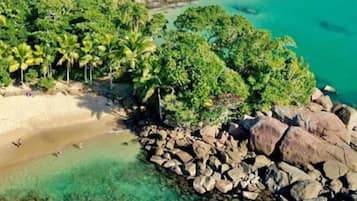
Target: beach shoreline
{"x": 46, "y": 124}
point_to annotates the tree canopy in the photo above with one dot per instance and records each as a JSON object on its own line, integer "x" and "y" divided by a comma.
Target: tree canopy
{"x": 212, "y": 67}
{"x": 269, "y": 66}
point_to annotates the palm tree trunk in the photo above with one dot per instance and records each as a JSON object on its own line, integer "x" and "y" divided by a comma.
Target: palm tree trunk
{"x": 90, "y": 75}
{"x": 49, "y": 71}
{"x": 22, "y": 76}
{"x": 67, "y": 74}
{"x": 85, "y": 74}
{"x": 111, "y": 77}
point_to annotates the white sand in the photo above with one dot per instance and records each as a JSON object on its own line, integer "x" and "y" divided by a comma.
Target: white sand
{"x": 32, "y": 113}
{"x": 48, "y": 123}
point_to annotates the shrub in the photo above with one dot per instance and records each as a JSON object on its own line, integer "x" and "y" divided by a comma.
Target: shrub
{"x": 46, "y": 83}
{"x": 31, "y": 76}
{"x": 5, "y": 79}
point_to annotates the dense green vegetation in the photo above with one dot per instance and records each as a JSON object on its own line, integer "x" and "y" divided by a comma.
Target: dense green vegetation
{"x": 211, "y": 68}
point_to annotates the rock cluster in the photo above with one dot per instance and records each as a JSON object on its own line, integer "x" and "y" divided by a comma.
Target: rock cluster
{"x": 296, "y": 153}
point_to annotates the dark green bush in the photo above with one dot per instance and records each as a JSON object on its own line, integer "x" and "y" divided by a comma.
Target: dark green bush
{"x": 31, "y": 76}
{"x": 5, "y": 79}
{"x": 195, "y": 85}
{"x": 269, "y": 66}
{"x": 46, "y": 83}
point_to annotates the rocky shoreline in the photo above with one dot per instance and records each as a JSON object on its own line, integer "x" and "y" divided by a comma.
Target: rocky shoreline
{"x": 290, "y": 153}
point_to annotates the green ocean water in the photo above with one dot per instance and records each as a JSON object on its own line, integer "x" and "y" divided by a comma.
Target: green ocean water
{"x": 325, "y": 32}
{"x": 108, "y": 168}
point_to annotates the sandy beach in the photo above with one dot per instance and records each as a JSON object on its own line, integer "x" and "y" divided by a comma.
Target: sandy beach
{"x": 48, "y": 123}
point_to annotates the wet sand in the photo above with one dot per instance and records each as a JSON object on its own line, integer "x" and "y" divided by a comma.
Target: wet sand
{"x": 47, "y": 141}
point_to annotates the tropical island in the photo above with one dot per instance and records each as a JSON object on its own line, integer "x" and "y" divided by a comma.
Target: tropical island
{"x": 228, "y": 108}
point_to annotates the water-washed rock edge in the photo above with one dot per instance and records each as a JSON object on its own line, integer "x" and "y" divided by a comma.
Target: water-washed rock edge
{"x": 293, "y": 153}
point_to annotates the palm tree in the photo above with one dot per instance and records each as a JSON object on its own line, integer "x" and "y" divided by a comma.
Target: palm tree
{"x": 47, "y": 54}
{"x": 109, "y": 43}
{"x": 133, "y": 15}
{"x": 91, "y": 57}
{"x": 22, "y": 57}
{"x": 86, "y": 57}
{"x": 68, "y": 48}
{"x": 137, "y": 47}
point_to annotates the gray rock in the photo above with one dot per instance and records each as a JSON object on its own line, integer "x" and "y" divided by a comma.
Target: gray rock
{"x": 317, "y": 93}
{"x": 207, "y": 172}
{"x": 177, "y": 170}
{"x": 305, "y": 190}
{"x": 314, "y": 107}
{"x": 171, "y": 163}
{"x": 250, "y": 195}
{"x": 294, "y": 173}
{"x": 217, "y": 176}
{"x": 224, "y": 186}
{"x": 170, "y": 144}
{"x": 329, "y": 89}
{"x": 184, "y": 156}
{"x": 265, "y": 134}
{"x": 209, "y": 183}
{"x": 202, "y": 184}
{"x": 334, "y": 169}
{"x": 214, "y": 162}
{"x": 336, "y": 186}
{"x": 261, "y": 161}
{"x": 351, "y": 178}
{"x": 198, "y": 184}
{"x": 190, "y": 168}
{"x": 224, "y": 167}
{"x": 300, "y": 147}
{"x": 235, "y": 175}
{"x": 209, "y": 131}
{"x": 158, "y": 160}
{"x": 201, "y": 149}
{"x": 348, "y": 115}
{"x": 325, "y": 102}
{"x": 167, "y": 156}
{"x": 275, "y": 179}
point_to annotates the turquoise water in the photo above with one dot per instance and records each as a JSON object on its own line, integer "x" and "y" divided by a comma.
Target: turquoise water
{"x": 108, "y": 168}
{"x": 330, "y": 50}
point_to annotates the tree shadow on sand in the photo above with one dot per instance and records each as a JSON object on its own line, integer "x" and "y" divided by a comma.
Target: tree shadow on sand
{"x": 98, "y": 105}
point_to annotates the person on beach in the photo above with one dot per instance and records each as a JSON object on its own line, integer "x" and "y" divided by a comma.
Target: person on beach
{"x": 18, "y": 142}
{"x": 57, "y": 154}
{"x": 29, "y": 93}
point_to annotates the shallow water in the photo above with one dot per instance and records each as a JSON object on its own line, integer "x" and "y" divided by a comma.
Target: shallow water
{"x": 325, "y": 32}
{"x": 110, "y": 167}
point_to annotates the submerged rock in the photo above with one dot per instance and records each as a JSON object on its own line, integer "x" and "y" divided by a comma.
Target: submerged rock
{"x": 329, "y": 89}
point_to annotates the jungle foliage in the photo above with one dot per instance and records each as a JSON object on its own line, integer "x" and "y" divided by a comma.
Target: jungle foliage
{"x": 212, "y": 67}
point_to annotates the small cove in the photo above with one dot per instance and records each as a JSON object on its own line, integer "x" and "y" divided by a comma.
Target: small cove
{"x": 109, "y": 167}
